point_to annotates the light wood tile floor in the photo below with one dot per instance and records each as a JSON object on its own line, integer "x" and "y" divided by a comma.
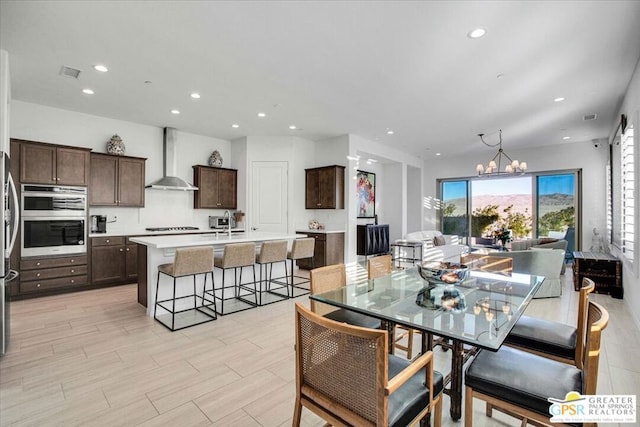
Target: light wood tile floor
{"x": 94, "y": 359}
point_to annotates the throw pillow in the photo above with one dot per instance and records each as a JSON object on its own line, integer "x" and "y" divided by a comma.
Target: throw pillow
{"x": 439, "y": 241}
{"x": 547, "y": 240}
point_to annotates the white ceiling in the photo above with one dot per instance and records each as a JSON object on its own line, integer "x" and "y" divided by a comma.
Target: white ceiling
{"x": 333, "y": 68}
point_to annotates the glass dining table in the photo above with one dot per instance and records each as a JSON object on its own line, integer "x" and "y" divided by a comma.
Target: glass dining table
{"x": 477, "y": 313}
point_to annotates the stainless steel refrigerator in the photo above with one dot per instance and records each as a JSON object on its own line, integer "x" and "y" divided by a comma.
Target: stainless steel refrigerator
{"x": 9, "y": 231}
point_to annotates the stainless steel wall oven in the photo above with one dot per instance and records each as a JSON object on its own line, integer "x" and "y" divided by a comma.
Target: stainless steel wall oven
{"x": 53, "y": 220}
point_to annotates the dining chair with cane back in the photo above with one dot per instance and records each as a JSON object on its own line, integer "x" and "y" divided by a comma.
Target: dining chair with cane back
{"x": 521, "y": 384}
{"x": 381, "y": 266}
{"x": 332, "y": 277}
{"x": 345, "y": 375}
{"x": 551, "y": 339}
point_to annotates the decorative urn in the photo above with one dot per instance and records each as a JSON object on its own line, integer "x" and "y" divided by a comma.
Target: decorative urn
{"x": 115, "y": 146}
{"x": 215, "y": 159}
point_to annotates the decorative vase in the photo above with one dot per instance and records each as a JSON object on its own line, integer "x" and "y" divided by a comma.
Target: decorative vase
{"x": 115, "y": 146}
{"x": 215, "y": 159}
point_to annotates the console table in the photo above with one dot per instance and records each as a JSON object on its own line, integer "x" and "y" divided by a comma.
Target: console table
{"x": 400, "y": 254}
{"x": 604, "y": 269}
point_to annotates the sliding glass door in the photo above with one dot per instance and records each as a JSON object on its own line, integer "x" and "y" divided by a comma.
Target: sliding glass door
{"x": 454, "y": 218}
{"x": 532, "y": 205}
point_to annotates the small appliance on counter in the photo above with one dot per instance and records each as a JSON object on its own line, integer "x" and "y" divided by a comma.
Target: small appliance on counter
{"x": 98, "y": 223}
{"x": 222, "y": 222}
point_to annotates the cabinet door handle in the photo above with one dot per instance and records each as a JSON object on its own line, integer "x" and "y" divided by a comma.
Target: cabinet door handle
{"x": 72, "y": 270}
{"x": 319, "y": 204}
{"x": 121, "y": 250}
{"x": 38, "y": 285}
{"x": 73, "y": 281}
{"x": 73, "y": 260}
{"x": 108, "y": 241}
{"x": 37, "y": 274}
{"x": 37, "y": 263}
{"x": 127, "y": 249}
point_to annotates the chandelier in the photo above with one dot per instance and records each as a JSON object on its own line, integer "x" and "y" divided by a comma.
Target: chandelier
{"x": 495, "y": 165}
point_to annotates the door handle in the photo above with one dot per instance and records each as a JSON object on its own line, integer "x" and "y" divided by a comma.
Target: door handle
{"x": 15, "y": 214}
{"x": 254, "y": 228}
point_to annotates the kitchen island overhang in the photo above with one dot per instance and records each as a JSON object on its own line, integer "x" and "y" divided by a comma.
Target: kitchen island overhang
{"x": 156, "y": 250}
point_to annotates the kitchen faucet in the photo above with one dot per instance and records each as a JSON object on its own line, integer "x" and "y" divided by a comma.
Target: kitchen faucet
{"x": 227, "y": 214}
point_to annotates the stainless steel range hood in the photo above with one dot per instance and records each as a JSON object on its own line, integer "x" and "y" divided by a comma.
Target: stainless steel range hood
{"x": 170, "y": 180}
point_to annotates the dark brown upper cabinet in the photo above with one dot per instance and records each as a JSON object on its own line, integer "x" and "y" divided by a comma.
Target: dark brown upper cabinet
{"x": 217, "y": 188}
{"x": 51, "y": 164}
{"x": 324, "y": 187}
{"x": 116, "y": 180}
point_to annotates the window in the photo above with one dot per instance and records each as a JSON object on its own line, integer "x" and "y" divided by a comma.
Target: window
{"x": 627, "y": 221}
{"x": 543, "y": 204}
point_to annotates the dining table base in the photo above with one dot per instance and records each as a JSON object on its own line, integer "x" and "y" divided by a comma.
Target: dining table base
{"x": 459, "y": 357}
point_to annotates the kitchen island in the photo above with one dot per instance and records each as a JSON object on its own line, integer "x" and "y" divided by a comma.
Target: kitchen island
{"x": 156, "y": 250}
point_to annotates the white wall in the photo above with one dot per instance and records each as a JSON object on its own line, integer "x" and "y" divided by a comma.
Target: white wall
{"x": 630, "y": 273}
{"x": 392, "y": 186}
{"x": 297, "y": 152}
{"x": 162, "y": 208}
{"x": 5, "y": 100}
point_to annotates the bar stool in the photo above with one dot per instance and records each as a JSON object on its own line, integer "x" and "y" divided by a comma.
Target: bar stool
{"x": 235, "y": 256}
{"x": 272, "y": 252}
{"x": 301, "y": 249}
{"x": 187, "y": 262}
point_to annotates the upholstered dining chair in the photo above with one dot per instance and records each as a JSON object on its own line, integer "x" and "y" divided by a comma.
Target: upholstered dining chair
{"x": 381, "y": 266}
{"x": 520, "y": 383}
{"x": 554, "y": 340}
{"x": 345, "y": 375}
{"x": 332, "y": 277}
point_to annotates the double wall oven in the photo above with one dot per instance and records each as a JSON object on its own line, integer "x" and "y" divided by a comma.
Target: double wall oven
{"x": 53, "y": 220}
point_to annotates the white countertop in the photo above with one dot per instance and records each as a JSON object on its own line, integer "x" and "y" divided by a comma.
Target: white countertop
{"x": 191, "y": 239}
{"x": 308, "y": 230}
{"x": 144, "y": 232}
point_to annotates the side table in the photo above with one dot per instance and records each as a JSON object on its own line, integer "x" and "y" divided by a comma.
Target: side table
{"x": 399, "y": 257}
{"x": 604, "y": 269}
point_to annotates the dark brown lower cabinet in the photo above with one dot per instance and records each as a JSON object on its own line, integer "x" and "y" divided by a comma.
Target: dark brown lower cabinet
{"x": 329, "y": 250}
{"x": 114, "y": 260}
{"x": 47, "y": 275}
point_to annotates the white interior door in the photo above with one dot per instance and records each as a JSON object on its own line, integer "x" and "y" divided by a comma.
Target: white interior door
{"x": 269, "y": 196}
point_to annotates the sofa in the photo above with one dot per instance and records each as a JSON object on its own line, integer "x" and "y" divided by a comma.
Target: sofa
{"x": 544, "y": 243}
{"x": 437, "y": 246}
{"x": 541, "y": 262}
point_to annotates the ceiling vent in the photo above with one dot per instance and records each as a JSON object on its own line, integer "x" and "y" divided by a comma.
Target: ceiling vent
{"x": 588, "y": 117}
{"x": 69, "y": 72}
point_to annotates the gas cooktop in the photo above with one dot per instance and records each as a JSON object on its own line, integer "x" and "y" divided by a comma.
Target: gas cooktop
{"x": 171, "y": 228}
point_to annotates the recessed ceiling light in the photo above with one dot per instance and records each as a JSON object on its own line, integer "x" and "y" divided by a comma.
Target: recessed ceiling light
{"x": 389, "y": 132}
{"x": 235, "y": 125}
{"x": 262, "y": 115}
{"x": 566, "y": 137}
{"x": 558, "y": 99}
{"x": 88, "y": 91}
{"x": 175, "y": 111}
{"x": 476, "y": 33}
{"x": 101, "y": 68}
{"x": 194, "y": 95}
{"x": 437, "y": 154}
{"x": 293, "y": 127}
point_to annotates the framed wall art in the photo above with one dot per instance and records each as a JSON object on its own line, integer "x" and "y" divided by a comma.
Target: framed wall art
{"x": 366, "y": 194}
